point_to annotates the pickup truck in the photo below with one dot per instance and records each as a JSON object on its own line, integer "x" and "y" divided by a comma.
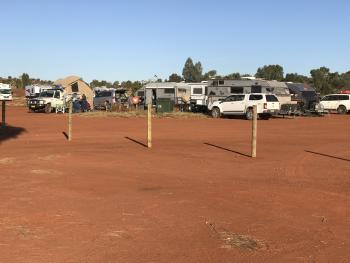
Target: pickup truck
{"x": 242, "y": 104}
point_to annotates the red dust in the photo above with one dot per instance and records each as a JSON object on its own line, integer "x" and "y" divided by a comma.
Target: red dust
{"x": 104, "y": 197}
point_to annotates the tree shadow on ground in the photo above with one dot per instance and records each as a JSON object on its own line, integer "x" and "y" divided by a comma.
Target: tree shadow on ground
{"x": 226, "y": 149}
{"x": 137, "y": 142}
{"x": 329, "y": 156}
{"x": 10, "y": 132}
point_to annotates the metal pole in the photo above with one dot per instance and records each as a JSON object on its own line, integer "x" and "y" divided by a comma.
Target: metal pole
{"x": 70, "y": 120}
{"x": 149, "y": 125}
{"x": 254, "y": 130}
{"x": 3, "y": 107}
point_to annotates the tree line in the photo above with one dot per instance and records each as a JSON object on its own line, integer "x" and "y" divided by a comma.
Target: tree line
{"x": 24, "y": 80}
{"x": 322, "y": 79}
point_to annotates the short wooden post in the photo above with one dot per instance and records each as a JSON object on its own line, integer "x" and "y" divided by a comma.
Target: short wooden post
{"x": 70, "y": 120}
{"x": 149, "y": 125}
{"x": 3, "y": 109}
{"x": 254, "y": 130}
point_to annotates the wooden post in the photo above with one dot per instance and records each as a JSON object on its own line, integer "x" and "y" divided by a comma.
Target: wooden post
{"x": 254, "y": 130}
{"x": 70, "y": 120}
{"x": 149, "y": 125}
{"x": 3, "y": 109}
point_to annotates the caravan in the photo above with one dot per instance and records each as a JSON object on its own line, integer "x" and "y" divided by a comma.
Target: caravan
{"x": 5, "y": 92}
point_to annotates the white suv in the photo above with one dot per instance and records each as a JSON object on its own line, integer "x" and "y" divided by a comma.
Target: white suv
{"x": 338, "y": 102}
{"x": 242, "y": 104}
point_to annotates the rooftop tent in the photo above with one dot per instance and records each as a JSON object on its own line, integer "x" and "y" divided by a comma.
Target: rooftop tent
{"x": 74, "y": 84}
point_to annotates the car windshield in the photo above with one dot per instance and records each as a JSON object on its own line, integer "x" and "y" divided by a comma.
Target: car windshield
{"x": 47, "y": 94}
{"x": 103, "y": 94}
{"x": 5, "y": 91}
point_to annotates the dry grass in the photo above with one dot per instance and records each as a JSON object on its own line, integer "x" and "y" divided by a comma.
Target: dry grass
{"x": 232, "y": 240}
{"x": 143, "y": 114}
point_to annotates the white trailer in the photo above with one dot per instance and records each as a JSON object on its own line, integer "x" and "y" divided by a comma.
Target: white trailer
{"x": 5, "y": 92}
{"x": 199, "y": 96}
{"x": 33, "y": 91}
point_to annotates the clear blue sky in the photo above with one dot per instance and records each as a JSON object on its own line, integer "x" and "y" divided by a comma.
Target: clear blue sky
{"x": 136, "y": 39}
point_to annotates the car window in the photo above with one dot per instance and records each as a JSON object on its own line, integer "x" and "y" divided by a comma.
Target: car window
{"x": 326, "y": 98}
{"x": 57, "y": 95}
{"x": 343, "y": 97}
{"x": 239, "y": 97}
{"x": 255, "y": 97}
{"x": 271, "y": 98}
{"x": 231, "y": 98}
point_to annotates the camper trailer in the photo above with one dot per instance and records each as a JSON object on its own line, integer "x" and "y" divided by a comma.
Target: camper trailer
{"x": 199, "y": 96}
{"x": 219, "y": 89}
{"x": 5, "y": 92}
{"x": 178, "y": 93}
{"x": 33, "y": 91}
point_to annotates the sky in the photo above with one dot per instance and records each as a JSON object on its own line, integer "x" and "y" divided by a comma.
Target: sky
{"x": 137, "y": 39}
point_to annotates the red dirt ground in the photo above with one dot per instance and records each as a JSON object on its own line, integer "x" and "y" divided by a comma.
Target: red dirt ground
{"x": 105, "y": 198}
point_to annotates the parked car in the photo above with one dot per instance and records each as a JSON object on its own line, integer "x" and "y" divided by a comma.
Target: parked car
{"x": 106, "y": 97}
{"x": 48, "y": 100}
{"x": 242, "y": 104}
{"x": 338, "y": 102}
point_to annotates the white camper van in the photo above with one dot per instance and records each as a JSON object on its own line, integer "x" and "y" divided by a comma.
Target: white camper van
{"x": 33, "y": 91}
{"x": 5, "y": 92}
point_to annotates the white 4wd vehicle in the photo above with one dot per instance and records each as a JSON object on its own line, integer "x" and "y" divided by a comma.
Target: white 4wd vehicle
{"x": 242, "y": 104}
{"x": 338, "y": 102}
{"x": 48, "y": 100}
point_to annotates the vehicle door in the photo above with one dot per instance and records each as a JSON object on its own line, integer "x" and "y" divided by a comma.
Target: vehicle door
{"x": 56, "y": 98}
{"x": 333, "y": 102}
{"x": 238, "y": 104}
{"x": 344, "y": 100}
{"x": 227, "y": 104}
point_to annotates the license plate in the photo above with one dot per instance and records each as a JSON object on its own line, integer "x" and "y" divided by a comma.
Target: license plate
{"x": 32, "y": 106}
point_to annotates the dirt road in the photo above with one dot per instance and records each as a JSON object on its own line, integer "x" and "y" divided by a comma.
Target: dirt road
{"x": 195, "y": 197}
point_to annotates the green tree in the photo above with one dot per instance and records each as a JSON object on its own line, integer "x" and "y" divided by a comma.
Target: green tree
{"x": 198, "y": 72}
{"x": 321, "y": 80}
{"x": 175, "y": 78}
{"x": 296, "y": 78}
{"x": 188, "y": 71}
{"x": 25, "y": 80}
{"x": 209, "y": 75}
{"x": 233, "y": 76}
{"x": 270, "y": 72}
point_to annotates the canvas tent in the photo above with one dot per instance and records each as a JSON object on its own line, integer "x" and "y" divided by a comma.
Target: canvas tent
{"x": 74, "y": 84}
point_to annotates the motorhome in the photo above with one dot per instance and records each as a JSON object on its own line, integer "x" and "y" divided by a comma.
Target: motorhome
{"x": 5, "y": 92}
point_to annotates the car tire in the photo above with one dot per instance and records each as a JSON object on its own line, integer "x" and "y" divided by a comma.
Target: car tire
{"x": 48, "y": 108}
{"x": 341, "y": 109}
{"x": 249, "y": 114}
{"x": 215, "y": 113}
